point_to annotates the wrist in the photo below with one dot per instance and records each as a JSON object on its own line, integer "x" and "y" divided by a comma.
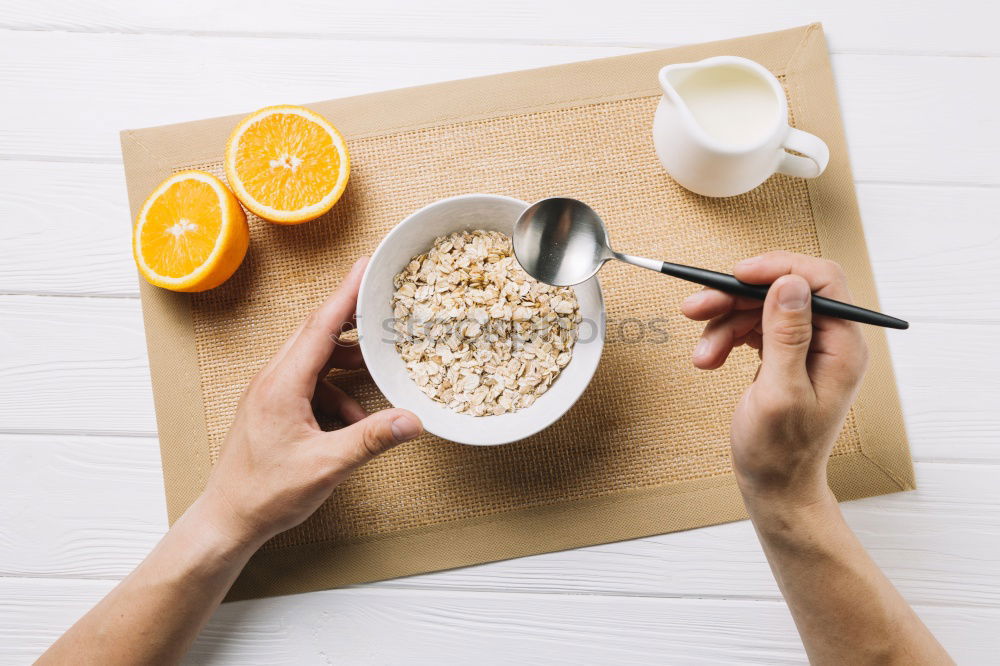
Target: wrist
{"x": 195, "y": 559}
{"x": 210, "y": 526}
{"x": 788, "y": 488}
{"x": 789, "y": 516}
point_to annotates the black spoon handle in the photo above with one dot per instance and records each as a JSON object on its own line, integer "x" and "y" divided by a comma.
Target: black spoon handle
{"x": 820, "y": 305}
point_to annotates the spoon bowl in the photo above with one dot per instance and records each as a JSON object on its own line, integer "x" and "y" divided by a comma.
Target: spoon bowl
{"x": 561, "y": 241}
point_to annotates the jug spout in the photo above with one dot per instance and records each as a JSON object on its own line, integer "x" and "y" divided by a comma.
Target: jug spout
{"x": 674, "y": 78}
{"x": 672, "y": 75}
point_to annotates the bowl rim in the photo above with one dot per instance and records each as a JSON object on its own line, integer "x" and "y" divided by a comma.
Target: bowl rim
{"x": 481, "y": 435}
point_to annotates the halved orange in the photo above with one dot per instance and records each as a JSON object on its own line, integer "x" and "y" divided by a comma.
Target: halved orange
{"x": 191, "y": 234}
{"x": 287, "y": 164}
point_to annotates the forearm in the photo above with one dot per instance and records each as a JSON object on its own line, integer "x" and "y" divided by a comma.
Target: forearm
{"x": 845, "y": 609}
{"x": 155, "y": 613}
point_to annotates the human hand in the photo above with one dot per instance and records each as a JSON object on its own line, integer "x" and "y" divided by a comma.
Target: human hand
{"x": 276, "y": 466}
{"x": 787, "y": 421}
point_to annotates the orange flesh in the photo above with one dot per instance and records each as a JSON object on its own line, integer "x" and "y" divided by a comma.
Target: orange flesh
{"x": 181, "y": 228}
{"x": 287, "y": 162}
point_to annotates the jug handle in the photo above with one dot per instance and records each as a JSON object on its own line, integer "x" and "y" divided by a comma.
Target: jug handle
{"x": 816, "y": 155}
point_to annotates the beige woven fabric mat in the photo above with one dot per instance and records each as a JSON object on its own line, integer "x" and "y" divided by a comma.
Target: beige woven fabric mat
{"x": 645, "y": 450}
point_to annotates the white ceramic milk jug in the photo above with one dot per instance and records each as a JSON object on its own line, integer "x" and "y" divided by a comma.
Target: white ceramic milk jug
{"x": 721, "y": 128}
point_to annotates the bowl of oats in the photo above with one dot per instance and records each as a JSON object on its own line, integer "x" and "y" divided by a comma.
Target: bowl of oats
{"x": 453, "y": 329}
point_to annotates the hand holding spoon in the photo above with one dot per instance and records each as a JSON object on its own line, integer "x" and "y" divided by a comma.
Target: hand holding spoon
{"x": 563, "y": 242}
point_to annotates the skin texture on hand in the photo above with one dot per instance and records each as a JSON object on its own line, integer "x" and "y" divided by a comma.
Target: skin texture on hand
{"x": 275, "y": 469}
{"x": 784, "y": 427}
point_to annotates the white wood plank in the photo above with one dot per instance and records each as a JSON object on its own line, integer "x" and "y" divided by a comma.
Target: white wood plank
{"x": 74, "y": 365}
{"x": 948, "y": 386}
{"x": 379, "y": 626}
{"x": 72, "y": 220}
{"x": 66, "y": 229}
{"x": 920, "y": 119}
{"x": 80, "y": 507}
{"x": 893, "y": 105}
{"x": 934, "y": 249}
{"x": 852, "y": 25}
{"x": 92, "y": 507}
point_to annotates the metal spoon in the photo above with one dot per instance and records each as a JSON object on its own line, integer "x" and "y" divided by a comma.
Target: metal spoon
{"x": 563, "y": 242}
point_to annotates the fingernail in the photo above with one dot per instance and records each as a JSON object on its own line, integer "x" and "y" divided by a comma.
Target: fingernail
{"x": 405, "y": 428}
{"x": 702, "y": 348}
{"x": 793, "y": 295}
{"x": 747, "y": 263}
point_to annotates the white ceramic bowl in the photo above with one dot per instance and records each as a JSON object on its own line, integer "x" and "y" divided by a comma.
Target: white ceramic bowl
{"x": 415, "y": 235}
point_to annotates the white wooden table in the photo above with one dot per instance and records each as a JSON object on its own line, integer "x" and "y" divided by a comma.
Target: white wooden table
{"x": 80, "y": 476}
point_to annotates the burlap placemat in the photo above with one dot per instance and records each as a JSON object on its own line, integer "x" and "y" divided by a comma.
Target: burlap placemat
{"x": 646, "y": 449}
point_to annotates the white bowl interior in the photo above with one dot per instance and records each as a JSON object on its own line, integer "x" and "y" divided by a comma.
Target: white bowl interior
{"x": 415, "y": 235}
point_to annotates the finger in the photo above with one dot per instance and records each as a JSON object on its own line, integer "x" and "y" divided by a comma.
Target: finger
{"x": 710, "y": 303}
{"x": 277, "y": 357}
{"x": 825, "y": 277}
{"x": 311, "y": 349}
{"x": 346, "y": 351}
{"x": 839, "y": 341}
{"x": 356, "y": 444}
{"x": 332, "y": 400}
{"x": 346, "y": 356}
{"x": 287, "y": 344}
{"x": 720, "y": 336}
{"x": 754, "y": 339}
{"x": 788, "y": 331}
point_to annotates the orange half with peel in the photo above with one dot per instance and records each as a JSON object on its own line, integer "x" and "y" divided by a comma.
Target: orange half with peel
{"x": 190, "y": 234}
{"x": 287, "y": 164}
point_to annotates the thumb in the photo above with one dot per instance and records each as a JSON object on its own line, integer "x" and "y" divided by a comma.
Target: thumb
{"x": 787, "y": 324}
{"x": 375, "y": 434}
